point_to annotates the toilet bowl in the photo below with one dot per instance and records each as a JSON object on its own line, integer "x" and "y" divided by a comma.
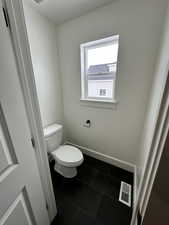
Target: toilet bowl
{"x": 67, "y": 158}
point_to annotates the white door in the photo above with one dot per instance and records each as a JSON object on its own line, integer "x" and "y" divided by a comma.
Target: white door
{"x": 21, "y": 197}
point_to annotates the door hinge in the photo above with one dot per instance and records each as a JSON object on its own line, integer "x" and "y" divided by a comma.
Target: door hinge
{"x": 33, "y": 142}
{"x": 139, "y": 218}
{"x": 6, "y": 17}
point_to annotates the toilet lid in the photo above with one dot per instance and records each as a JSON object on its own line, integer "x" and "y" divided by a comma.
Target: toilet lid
{"x": 68, "y": 155}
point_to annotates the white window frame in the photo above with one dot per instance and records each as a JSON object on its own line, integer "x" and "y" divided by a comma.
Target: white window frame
{"x": 84, "y": 81}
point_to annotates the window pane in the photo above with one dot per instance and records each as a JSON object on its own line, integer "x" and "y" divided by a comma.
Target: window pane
{"x": 103, "y": 54}
{"x": 101, "y": 67}
{"x": 101, "y": 89}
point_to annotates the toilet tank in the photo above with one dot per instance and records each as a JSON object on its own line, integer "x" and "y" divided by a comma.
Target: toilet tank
{"x": 53, "y": 136}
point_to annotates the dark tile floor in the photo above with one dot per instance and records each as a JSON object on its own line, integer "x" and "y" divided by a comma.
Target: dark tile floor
{"x": 91, "y": 198}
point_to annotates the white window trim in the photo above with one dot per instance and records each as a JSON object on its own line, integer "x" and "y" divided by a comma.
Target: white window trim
{"x": 84, "y": 81}
{"x": 100, "y": 100}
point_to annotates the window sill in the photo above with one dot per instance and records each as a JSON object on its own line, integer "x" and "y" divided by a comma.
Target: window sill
{"x": 107, "y": 104}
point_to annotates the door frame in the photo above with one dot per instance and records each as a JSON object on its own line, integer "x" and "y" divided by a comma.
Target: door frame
{"x": 18, "y": 33}
{"x": 159, "y": 143}
{"x": 156, "y": 150}
{"x": 159, "y": 126}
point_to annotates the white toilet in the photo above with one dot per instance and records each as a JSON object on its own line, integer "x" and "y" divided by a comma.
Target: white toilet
{"x": 66, "y": 157}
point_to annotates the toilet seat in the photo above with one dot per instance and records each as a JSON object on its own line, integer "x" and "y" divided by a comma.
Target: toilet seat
{"x": 68, "y": 156}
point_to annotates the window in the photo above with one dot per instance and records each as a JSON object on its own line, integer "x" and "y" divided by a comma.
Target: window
{"x": 98, "y": 69}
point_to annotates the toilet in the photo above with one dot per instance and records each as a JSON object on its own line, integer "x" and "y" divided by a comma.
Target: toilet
{"x": 67, "y": 158}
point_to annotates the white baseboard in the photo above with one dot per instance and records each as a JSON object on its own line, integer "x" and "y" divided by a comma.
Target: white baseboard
{"x": 108, "y": 159}
{"x": 113, "y": 161}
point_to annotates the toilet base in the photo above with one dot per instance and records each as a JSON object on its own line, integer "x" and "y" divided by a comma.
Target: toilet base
{"x": 68, "y": 172}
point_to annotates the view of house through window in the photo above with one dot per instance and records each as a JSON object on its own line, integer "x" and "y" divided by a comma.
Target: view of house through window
{"x": 99, "y": 67}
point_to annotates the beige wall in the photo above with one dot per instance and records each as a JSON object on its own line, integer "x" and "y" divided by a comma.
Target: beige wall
{"x": 115, "y": 132}
{"x": 42, "y": 38}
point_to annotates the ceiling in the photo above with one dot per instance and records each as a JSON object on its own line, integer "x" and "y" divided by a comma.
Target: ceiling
{"x": 60, "y": 11}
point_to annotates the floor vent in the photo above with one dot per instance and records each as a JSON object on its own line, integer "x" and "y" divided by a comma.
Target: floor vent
{"x": 125, "y": 194}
